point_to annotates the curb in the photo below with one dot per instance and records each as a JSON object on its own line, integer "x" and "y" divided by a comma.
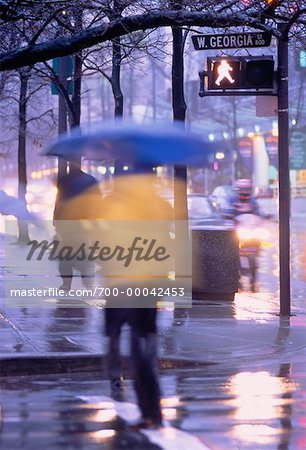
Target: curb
{"x": 84, "y": 363}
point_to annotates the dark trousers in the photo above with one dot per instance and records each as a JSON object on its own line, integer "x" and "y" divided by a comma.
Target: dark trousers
{"x": 146, "y": 382}
{"x": 143, "y": 355}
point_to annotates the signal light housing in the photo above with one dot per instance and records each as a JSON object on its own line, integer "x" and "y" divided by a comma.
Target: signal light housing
{"x": 237, "y": 73}
{"x": 259, "y": 73}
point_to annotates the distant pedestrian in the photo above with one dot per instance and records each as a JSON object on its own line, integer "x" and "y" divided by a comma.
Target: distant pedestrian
{"x": 78, "y": 193}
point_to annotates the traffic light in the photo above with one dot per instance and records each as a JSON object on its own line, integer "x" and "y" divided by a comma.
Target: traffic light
{"x": 253, "y": 72}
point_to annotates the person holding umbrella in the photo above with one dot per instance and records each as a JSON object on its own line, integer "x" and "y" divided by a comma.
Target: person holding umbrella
{"x": 134, "y": 198}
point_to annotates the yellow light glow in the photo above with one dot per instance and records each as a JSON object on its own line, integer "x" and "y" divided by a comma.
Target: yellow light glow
{"x": 251, "y": 135}
{"x": 102, "y": 434}
{"x": 159, "y": 170}
{"x": 171, "y": 275}
{"x": 220, "y": 155}
{"x": 170, "y": 402}
{"x": 105, "y": 415}
{"x": 168, "y": 306}
{"x": 261, "y": 434}
{"x": 169, "y": 413}
{"x": 247, "y": 233}
{"x": 259, "y": 395}
{"x": 275, "y": 132}
{"x": 102, "y": 405}
{"x": 101, "y": 169}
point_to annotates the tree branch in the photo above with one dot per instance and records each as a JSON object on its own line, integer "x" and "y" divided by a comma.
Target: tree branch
{"x": 123, "y": 26}
{"x": 292, "y": 21}
{"x": 50, "y": 111}
{"x": 43, "y": 26}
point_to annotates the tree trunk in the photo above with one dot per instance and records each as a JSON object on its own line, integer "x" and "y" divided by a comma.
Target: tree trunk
{"x": 179, "y": 113}
{"x": 22, "y": 163}
{"x": 76, "y": 96}
{"x": 115, "y": 78}
{"x": 116, "y": 88}
{"x": 76, "y": 162}
{"x": 77, "y": 73}
{"x": 178, "y": 101}
{"x": 62, "y": 118}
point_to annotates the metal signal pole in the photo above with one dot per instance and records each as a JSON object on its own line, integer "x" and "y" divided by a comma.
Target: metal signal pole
{"x": 283, "y": 176}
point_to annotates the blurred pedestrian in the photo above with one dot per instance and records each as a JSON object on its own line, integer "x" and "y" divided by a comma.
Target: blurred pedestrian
{"x": 78, "y": 193}
{"x": 135, "y": 199}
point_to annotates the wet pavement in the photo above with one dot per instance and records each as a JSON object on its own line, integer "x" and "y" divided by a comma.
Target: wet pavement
{"x": 233, "y": 374}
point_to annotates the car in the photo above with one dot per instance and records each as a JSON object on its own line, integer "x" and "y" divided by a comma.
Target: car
{"x": 203, "y": 215}
{"x": 220, "y": 198}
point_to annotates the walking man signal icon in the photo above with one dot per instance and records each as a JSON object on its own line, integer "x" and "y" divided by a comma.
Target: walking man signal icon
{"x": 224, "y": 70}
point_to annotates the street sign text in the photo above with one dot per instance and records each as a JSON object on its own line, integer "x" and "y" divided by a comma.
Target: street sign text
{"x": 242, "y": 40}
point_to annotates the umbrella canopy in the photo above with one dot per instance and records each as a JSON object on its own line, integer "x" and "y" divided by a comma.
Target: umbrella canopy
{"x": 147, "y": 144}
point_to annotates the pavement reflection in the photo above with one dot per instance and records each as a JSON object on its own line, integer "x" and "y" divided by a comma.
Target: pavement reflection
{"x": 232, "y": 373}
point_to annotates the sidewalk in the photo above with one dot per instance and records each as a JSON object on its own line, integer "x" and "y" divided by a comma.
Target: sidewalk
{"x": 55, "y": 339}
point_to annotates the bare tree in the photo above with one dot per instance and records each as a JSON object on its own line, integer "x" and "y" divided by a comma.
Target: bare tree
{"x": 19, "y": 95}
{"x": 254, "y": 14}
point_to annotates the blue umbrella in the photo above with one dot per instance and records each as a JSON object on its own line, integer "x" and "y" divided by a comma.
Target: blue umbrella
{"x": 128, "y": 142}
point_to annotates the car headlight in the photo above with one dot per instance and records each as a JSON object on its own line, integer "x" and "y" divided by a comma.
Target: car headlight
{"x": 245, "y": 234}
{"x": 248, "y": 233}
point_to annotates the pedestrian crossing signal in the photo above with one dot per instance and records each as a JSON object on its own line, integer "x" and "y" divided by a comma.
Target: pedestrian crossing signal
{"x": 239, "y": 73}
{"x": 224, "y": 70}
{"x": 223, "y": 73}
